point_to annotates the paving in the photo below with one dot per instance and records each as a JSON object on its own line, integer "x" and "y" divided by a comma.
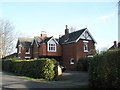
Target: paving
{"x": 67, "y": 80}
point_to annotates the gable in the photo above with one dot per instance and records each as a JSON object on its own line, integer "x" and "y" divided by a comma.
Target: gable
{"x": 26, "y": 42}
{"x": 86, "y": 36}
{"x": 77, "y": 35}
{"x": 18, "y": 42}
{"x": 53, "y": 40}
{"x": 72, "y": 37}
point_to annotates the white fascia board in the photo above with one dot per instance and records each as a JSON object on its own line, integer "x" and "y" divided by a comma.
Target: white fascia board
{"x": 35, "y": 42}
{"x": 80, "y": 36}
{"x": 32, "y": 41}
{"x": 53, "y": 39}
{"x": 84, "y": 33}
{"x": 19, "y": 44}
{"x": 91, "y": 36}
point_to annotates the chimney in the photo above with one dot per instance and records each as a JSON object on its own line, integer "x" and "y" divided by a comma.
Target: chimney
{"x": 43, "y": 34}
{"x": 115, "y": 44}
{"x": 66, "y": 32}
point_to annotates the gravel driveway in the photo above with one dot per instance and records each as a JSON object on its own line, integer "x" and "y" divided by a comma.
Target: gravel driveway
{"x": 68, "y": 79}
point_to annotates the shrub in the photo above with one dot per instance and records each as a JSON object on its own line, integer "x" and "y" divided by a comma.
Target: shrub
{"x": 104, "y": 70}
{"x": 83, "y": 64}
{"x": 41, "y": 68}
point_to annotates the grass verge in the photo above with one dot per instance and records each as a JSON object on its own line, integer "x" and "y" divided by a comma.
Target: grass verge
{"x": 29, "y": 78}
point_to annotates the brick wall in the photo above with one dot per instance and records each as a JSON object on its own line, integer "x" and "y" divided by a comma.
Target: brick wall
{"x": 76, "y": 51}
{"x": 35, "y": 50}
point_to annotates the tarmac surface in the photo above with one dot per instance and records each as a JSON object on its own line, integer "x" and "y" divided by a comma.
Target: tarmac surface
{"x": 67, "y": 80}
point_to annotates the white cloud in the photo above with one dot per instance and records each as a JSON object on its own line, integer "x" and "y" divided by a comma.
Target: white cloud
{"x": 105, "y": 17}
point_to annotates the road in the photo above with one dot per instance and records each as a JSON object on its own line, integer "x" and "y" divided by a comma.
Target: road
{"x": 69, "y": 79}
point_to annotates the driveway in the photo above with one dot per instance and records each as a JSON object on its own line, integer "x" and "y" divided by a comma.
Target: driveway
{"x": 68, "y": 79}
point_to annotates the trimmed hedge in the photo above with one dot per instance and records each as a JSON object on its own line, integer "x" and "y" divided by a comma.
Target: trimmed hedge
{"x": 104, "y": 71}
{"x": 41, "y": 68}
{"x": 83, "y": 64}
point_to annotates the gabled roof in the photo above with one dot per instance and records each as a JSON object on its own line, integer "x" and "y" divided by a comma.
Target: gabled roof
{"x": 52, "y": 38}
{"x": 38, "y": 40}
{"x": 113, "y": 47}
{"x": 25, "y": 41}
{"x": 47, "y": 39}
{"x": 74, "y": 36}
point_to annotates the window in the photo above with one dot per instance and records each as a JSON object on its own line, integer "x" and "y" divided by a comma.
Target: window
{"x": 52, "y": 47}
{"x": 27, "y": 57}
{"x": 27, "y": 50}
{"x": 72, "y": 61}
{"x": 19, "y": 49}
{"x": 90, "y": 56}
{"x": 85, "y": 46}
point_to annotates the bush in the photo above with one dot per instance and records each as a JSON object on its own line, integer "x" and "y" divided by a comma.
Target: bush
{"x": 104, "y": 70}
{"x": 83, "y": 64}
{"x": 41, "y": 68}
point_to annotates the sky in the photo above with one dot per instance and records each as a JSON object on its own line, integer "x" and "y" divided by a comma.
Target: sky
{"x": 30, "y": 18}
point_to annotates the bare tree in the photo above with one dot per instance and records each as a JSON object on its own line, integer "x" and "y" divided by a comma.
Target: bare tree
{"x": 72, "y": 29}
{"x": 6, "y": 38}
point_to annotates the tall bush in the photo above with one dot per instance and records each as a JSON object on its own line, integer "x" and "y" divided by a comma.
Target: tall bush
{"x": 104, "y": 71}
{"x": 83, "y": 64}
{"x": 41, "y": 68}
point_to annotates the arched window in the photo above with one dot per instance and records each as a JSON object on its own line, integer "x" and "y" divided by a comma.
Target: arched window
{"x": 72, "y": 61}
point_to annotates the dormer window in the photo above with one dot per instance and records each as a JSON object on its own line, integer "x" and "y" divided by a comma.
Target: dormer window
{"x": 19, "y": 50}
{"x": 27, "y": 50}
{"x": 85, "y": 46}
{"x": 51, "y": 46}
{"x": 66, "y": 40}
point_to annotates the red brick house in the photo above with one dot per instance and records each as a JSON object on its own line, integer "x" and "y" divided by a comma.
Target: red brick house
{"x": 116, "y": 45}
{"x": 67, "y": 49}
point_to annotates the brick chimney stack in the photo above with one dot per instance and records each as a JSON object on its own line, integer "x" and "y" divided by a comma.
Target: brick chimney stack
{"x": 115, "y": 44}
{"x": 66, "y": 32}
{"x": 43, "y": 34}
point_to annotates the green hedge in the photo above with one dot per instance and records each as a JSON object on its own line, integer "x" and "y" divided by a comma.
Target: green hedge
{"x": 83, "y": 64}
{"x": 104, "y": 71}
{"x": 41, "y": 68}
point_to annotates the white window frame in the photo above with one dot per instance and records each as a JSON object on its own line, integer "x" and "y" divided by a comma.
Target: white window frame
{"x": 28, "y": 51}
{"x": 71, "y": 62}
{"x": 51, "y": 45}
{"x": 27, "y": 57}
{"x": 19, "y": 48}
{"x": 90, "y": 56}
{"x": 85, "y": 43}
